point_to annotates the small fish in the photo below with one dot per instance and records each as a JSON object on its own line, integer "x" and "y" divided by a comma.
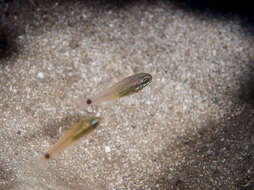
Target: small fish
{"x": 79, "y": 130}
{"x": 127, "y": 86}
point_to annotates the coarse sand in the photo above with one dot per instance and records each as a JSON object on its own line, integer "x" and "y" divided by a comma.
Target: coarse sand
{"x": 191, "y": 128}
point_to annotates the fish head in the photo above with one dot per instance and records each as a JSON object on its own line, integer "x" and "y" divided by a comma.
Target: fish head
{"x": 143, "y": 79}
{"x": 94, "y": 121}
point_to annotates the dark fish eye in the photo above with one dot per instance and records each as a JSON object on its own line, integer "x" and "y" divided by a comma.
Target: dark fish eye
{"x": 95, "y": 123}
{"x": 145, "y": 80}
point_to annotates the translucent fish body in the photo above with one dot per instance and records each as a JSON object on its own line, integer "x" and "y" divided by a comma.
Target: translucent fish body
{"x": 125, "y": 87}
{"x": 79, "y": 130}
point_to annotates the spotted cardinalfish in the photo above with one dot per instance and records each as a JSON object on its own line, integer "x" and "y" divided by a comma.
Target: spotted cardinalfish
{"x": 79, "y": 130}
{"x": 127, "y": 86}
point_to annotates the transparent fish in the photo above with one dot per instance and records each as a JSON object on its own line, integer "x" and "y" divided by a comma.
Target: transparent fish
{"x": 127, "y": 86}
{"x": 79, "y": 130}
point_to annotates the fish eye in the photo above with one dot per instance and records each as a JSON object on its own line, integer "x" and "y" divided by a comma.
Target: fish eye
{"x": 95, "y": 123}
{"x": 145, "y": 80}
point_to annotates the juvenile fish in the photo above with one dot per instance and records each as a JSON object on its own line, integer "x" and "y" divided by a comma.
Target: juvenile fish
{"x": 127, "y": 86}
{"x": 79, "y": 130}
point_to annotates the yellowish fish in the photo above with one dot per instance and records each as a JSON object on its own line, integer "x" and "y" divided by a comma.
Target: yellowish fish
{"x": 79, "y": 130}
{"x": 127, "y": 86}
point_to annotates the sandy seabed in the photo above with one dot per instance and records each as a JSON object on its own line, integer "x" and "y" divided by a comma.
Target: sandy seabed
{"x": 191, "y": 128}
